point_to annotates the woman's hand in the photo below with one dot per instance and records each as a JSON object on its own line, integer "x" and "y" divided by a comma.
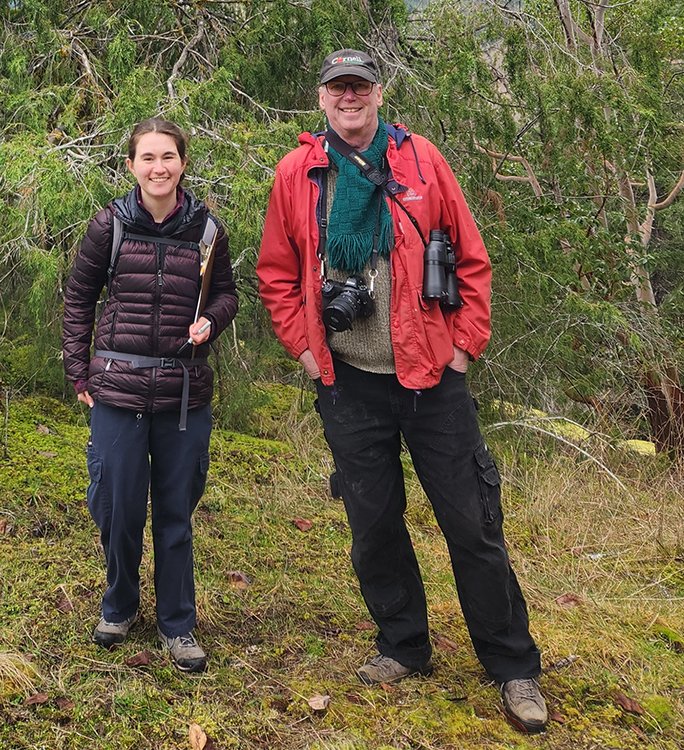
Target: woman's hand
{"x": 85, "y": 398}
{"x": 198, "y": 333}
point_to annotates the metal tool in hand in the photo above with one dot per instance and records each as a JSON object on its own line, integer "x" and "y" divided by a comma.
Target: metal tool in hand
{"x": 206, "y": 250}
{"x": 204, "y": 328}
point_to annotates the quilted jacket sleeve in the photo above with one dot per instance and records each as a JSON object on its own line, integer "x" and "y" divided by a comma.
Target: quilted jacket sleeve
{"x": 86, "y": 281}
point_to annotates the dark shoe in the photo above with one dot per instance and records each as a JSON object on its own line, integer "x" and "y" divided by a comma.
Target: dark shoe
{"x": 383, "y": 669}
{"x": 110, "y": 634}
{"x": 524, "y": 705}
{"x": 186, "y": 654}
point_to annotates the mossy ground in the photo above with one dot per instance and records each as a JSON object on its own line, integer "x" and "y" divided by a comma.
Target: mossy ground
{"x": 300, "y": 627}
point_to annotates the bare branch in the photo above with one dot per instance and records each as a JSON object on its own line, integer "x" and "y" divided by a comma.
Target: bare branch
{"x": 183, "y": 57}
{"x": 667, "y": 202}
{"x": 531, "y": 178}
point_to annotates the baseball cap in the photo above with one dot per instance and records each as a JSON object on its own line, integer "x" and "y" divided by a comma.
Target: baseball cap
{"x": 349, "y": 62}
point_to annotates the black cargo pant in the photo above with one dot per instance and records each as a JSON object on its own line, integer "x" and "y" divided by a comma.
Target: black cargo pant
{"x": 364, "y": 415}
{"x": 130, "y": 454}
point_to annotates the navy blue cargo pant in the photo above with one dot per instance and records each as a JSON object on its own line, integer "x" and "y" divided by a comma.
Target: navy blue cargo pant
{"x": 130, "y": 453}
{"x": 364, "y": 416}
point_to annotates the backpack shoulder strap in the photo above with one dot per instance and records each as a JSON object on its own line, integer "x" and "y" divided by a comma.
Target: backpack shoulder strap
{"x": 117, "y": 239}
{"x": 118, "y": 232}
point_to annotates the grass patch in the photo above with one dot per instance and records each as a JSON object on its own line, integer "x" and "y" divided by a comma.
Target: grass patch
{"x": 600, "y": 565}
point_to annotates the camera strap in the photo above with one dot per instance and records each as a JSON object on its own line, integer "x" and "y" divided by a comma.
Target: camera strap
{"x": 378, "y": 177}
{"x": 323, "y": 223}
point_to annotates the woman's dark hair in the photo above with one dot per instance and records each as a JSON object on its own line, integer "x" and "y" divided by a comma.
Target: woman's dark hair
{"x": 158, "y": 125}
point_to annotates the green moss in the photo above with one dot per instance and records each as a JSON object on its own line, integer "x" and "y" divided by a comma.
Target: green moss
{"x": 659, "y": 711}
{"x": 674, "y": 639}
{"x": 293, "y": 630}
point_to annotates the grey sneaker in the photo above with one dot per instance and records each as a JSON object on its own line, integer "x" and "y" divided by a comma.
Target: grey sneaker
{"x": 186, "y": 653}
{"x": 109, "y": 634}
{"x": 524, "y": 705}
{"x": 384, "y": 669}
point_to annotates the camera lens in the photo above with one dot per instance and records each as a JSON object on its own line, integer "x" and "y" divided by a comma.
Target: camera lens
{"x": 341, "y": 312}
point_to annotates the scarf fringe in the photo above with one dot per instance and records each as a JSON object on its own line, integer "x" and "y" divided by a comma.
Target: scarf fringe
{"x": 350, "y": 253}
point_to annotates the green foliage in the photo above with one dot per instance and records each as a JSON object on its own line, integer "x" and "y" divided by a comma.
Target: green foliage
{"x": 74, "y": 78}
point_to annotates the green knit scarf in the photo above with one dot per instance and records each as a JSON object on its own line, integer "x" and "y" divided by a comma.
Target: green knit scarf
{"x": 354, "y": 211}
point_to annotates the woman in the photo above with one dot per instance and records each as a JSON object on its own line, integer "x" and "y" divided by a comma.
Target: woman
{"x": 150, "y": 405}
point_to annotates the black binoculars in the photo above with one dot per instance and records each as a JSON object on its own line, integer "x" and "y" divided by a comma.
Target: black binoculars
{"x": 439, "y": 265}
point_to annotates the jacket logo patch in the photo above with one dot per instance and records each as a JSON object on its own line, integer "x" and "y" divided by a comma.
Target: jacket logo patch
{"x": 411, "y": 195}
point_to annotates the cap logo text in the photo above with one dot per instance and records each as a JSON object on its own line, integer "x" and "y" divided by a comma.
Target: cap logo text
{"x": 337, "y": 60}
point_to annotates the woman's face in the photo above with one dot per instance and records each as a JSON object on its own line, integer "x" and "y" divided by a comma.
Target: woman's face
{"x": 157, "y": 166}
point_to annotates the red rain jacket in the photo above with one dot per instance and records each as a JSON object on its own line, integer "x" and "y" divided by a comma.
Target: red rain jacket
{"x": 423, "y": 334}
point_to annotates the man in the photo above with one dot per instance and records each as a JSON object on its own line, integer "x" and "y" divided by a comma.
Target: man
{"x": 341, "y": 272}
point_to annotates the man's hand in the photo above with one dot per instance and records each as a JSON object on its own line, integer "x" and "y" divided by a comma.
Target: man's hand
{"x": 460, "y": 360}
{"x": 308, "y": 362}
{"x": 85, "y": 398}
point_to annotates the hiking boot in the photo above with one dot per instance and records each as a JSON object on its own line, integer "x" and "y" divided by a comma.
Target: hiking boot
{"x": 383, "y": 669}
{"x": 186, "y": 653}
{"x": 109, "y": 634}
{"x": 524, "y": 705}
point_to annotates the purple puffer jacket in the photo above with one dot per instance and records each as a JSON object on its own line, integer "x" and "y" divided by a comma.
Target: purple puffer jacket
{"x": 151, "y": 303}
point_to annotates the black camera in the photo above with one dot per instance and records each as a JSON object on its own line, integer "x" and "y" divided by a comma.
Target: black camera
{"x": 343, "y": 303}
{"x": 439, "y": 265}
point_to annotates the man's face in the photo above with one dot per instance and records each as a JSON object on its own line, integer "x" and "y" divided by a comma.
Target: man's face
{"x": 354, "y": 117}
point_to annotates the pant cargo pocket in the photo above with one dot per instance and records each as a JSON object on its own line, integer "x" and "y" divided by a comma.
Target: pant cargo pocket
{"x": 199, "y": 480}
{"x": 490, "y": 484}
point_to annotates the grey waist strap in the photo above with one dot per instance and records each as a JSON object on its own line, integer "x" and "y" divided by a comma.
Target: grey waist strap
{"x": 140, "y": 361}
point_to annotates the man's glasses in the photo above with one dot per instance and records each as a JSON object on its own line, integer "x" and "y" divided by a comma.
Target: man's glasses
{"x": 338, "y": 88}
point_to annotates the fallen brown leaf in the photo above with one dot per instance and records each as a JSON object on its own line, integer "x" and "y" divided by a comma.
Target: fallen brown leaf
{"x": 365, "y": 625}
{"x": 568, "y": 600}
{"x": 557, "y": 717}
{"x": 64, "y": 703}
{"x": 628, "y": 704}
{"x": 64, "y": 604}
{"x": 238, "y": 579}
{"x": 566, "y": 661}
{"x": 141, "y": 659}
{"x": 37, "y": 699}
{"x": 639, "y": 733}
{"x": 319, "y": 702}
{"x": 441, "y": 641}
{"x": 5, "y": 526}
{"x": 198, "y": 739}
{"x": 303, "y": 524}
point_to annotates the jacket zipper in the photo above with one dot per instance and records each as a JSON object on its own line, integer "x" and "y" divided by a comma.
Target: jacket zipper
{"x": 159, "y": 250}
